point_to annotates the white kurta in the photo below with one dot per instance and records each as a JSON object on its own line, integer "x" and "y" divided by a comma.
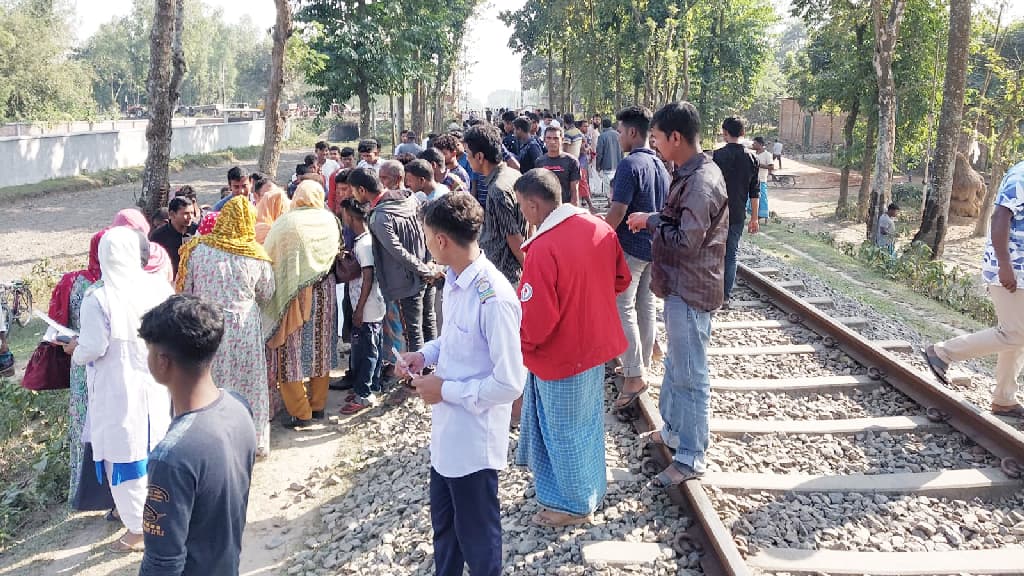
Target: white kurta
{"x": 128, "y": 411}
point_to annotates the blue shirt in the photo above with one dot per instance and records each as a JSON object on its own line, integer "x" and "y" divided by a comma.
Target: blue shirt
{"x": 529, "y": 152}
{"x": 641, "y": 183}
{"x": 1011, "y": 196}
{"x": 480, "y": 360}
{"x": 478, "y": 182}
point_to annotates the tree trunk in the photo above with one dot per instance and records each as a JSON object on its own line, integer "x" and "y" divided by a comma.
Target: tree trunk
{"x": 865, "y": 168}
{"x": 166, "y": 71}
{"x": 618, "y": 80}
{"x": 275, "y": 117}
{"x": 999, "y": 163}
{"x": 933, "y": 223}
{"x": 401, "y": 109}
{"x": 844, "y": 178}
{"x": 551, "y": 74}
{"x": 365, "y": 114}
{"x": 686, "y": 58}
{"x": 394, "y": 125}
{"x": 886, "y": 32}
{"x": 565, "y": 79}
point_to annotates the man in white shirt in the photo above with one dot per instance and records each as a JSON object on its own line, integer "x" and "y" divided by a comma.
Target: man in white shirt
{"x": 777, "y": 152}
{"x": 479, "y": 373}
{"x": 886, "y": 236}
{"x": 369, "y": 154}
{"x": 765, "y": 165}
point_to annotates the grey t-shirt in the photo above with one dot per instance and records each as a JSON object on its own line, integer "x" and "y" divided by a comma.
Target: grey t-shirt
{"x": 886, "y": 231}
{"x": 199, "y": 478}
{"x": 409, "y": 148}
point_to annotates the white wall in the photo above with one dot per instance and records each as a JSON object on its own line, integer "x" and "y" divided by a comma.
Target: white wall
{"x": 31, "y": 159}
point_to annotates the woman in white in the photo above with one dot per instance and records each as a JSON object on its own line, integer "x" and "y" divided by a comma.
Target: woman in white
{"x": 128, "y": 412}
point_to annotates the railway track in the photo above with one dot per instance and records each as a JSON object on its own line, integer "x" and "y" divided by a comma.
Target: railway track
{"x": 827, "y": 446}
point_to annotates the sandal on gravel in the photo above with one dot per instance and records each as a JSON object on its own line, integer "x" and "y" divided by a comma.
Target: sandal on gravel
{"x": 626, "y": 400}
{"x": 666, "y": 478}
{"x": 936, "y": 364}
{"x": 1015, "y": 411}
{"x": 121, "y": 547}
{"x": 112, "y": 516}
{"x": 553, "y": 519}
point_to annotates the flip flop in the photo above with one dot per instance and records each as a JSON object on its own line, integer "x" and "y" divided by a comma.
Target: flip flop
{"x": 936, "y": 364}
{"x": 121, "y": 547}
{"x": 629, "y": 397}
{"x": 1015, "y": 411}
{"x": 540, "y": 519}
{"x": 664, "y": 479}
{"x": 654, "y": 437}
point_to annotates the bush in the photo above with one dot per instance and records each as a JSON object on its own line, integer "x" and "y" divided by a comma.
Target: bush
{"x": 908, "y": 196}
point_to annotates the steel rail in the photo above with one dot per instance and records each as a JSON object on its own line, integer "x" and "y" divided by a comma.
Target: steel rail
{"x": 980, "y": 426}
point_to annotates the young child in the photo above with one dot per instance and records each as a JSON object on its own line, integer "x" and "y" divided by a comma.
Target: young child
{"x": 479, "y": 373}
{"x": 368, "y": 310}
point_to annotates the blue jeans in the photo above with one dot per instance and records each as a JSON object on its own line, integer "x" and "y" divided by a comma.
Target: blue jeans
{"x": 366, "y": 359}
{"x": 732, "y": 245}
{"x": 686, "y": 389}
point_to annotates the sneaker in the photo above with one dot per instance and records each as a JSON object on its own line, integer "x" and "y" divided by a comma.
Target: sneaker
{"x": 7, "y": 364}
{"x": 357, "y": 405}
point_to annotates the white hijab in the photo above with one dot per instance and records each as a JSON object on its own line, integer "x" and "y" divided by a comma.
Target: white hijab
{"x": 130, "y": 292}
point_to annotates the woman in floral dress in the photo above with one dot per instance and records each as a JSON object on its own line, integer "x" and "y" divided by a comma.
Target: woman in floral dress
{"x": 230, "y": 268}
{"x": 84, "y": 492}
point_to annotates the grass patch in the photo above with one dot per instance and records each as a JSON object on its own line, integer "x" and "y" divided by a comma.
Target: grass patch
{"x": 33, "y": 428}
{"x": 855, "y": 278}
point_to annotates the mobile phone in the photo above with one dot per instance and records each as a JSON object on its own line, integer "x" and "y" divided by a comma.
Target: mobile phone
{"x": 63, "y": 339}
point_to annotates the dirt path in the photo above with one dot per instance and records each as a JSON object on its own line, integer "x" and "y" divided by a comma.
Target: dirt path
{"x": 813, "y": 200}
{"x": 58, "y": 226}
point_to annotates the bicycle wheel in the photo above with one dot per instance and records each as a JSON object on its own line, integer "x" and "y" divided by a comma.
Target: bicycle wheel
{"x": 22, "y": 308}
{"x": 787, "y": 181}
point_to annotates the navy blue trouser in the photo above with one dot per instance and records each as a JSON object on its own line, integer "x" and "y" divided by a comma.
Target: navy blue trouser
{"x": 466, "y": 518}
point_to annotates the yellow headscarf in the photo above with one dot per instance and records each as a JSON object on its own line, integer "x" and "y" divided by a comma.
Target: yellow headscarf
{"x": 271, "y": 206}
{"x": 234, "y": 232}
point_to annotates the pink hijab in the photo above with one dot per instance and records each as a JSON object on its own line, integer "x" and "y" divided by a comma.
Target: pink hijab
{"x": 159, "y": 260}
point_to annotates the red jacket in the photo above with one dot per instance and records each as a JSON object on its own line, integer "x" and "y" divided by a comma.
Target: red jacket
{"x": 573, "y": 270}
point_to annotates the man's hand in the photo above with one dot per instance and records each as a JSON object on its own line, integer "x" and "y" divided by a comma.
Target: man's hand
{"x": 357, "y": 316}
{"x": 69, "y": 348}
{"x": 637, "y": 221}
{"x": 410, "y": 363}
{"x": 1007, "y": 277}
{"x": 429, "y": 388}
{"x": 754, "y": 225}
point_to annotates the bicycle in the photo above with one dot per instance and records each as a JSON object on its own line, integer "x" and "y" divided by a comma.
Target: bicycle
{"x": 16, "y": 300}
{"x": 783, "y": 180}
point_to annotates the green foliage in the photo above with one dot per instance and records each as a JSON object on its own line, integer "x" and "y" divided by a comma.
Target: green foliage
{"x": 915, "y": 269}
{"x": 37, "y": 80}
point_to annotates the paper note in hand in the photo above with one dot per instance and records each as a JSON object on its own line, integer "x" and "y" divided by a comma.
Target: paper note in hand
{"x": 53, "y": 328}
{"x": 401, "y": 362}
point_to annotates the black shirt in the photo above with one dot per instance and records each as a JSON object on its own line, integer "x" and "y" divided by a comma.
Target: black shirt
{"x": 529, "y": 154}
{"x": 199, "y": 478}
{"x": 171, "y": 240}
{"x": 739, "y": 167}
{"x": 566, "y": 168}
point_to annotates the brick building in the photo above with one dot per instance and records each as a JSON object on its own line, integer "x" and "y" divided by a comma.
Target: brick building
{"x": 809, "y": 131}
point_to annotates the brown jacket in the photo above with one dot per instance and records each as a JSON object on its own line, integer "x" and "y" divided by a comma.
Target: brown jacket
{"x": 690, "y": 234}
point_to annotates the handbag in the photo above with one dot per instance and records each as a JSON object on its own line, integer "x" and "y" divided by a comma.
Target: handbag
{"x": 49, "y": 368}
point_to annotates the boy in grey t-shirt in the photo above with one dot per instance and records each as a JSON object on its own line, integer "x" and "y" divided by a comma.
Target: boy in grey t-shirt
{"x": 199, "y": 473}
{"x": 885, "y": 238}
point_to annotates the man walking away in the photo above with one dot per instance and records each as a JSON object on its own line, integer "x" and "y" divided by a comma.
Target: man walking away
{"x": 199, "y": 473}
{"x": 689, "y": 251}
{"x": 777, "y": 152}
{"x": 885, "y": 238}
{"x": 740, "y": 169}
{"x": 765, "y": 166}
{"x": 608, "y": 155}
{"x": 574, "y": 268}
{"x": 641, "y": 185}
{"x": 1003, "y": 271}
{"x": 504, "y": 228}
{"x": 479, "y": 373}
{"x": 562, "y": 165}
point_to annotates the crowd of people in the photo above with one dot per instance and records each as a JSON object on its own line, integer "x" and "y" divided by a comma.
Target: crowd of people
{"x": 466, "y": 271}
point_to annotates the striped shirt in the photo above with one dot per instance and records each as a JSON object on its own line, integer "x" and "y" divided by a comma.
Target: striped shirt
{"x": 502, "y": 218}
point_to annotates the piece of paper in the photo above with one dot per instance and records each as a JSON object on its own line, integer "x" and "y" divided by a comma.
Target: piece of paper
{"x": 53, "y": 328}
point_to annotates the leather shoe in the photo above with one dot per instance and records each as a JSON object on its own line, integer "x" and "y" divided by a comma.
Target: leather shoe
{"x": 293, "y": 423}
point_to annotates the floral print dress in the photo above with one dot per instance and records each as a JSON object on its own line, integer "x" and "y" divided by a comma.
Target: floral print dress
{"x": 239, "y": 285}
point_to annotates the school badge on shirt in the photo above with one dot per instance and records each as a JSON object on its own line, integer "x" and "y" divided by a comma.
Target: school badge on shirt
{"x": 526, "y": 292}
{"x": 484, "y": 291}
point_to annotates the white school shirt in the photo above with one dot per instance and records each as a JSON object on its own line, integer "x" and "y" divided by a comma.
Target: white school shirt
{"x": 765, "y": 157}
{"x": 374, "y": 310}
{"x": 480, "y": 360}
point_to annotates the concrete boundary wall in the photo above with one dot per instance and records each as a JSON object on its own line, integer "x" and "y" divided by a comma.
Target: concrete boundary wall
{"x": 31, "y": 159}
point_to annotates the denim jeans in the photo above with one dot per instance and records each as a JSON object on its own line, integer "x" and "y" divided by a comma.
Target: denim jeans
{"x": 732, "y": 245}
{"x": 411, "y": 310}
{"x": 366, "y": 360}
{"x": 429, "y": 313}
{"x": 636, "y": 312}
{"x": 686, "y": 389}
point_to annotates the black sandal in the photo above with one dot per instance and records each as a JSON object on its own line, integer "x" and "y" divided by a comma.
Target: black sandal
{"x": 631, "y": 398}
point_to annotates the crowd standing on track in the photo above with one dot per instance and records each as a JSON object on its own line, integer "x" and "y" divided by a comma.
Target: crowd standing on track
{"x": 495, "y": 271}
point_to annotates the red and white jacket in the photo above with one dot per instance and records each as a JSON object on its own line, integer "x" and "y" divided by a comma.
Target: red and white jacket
{"x": 574, "y": 269}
